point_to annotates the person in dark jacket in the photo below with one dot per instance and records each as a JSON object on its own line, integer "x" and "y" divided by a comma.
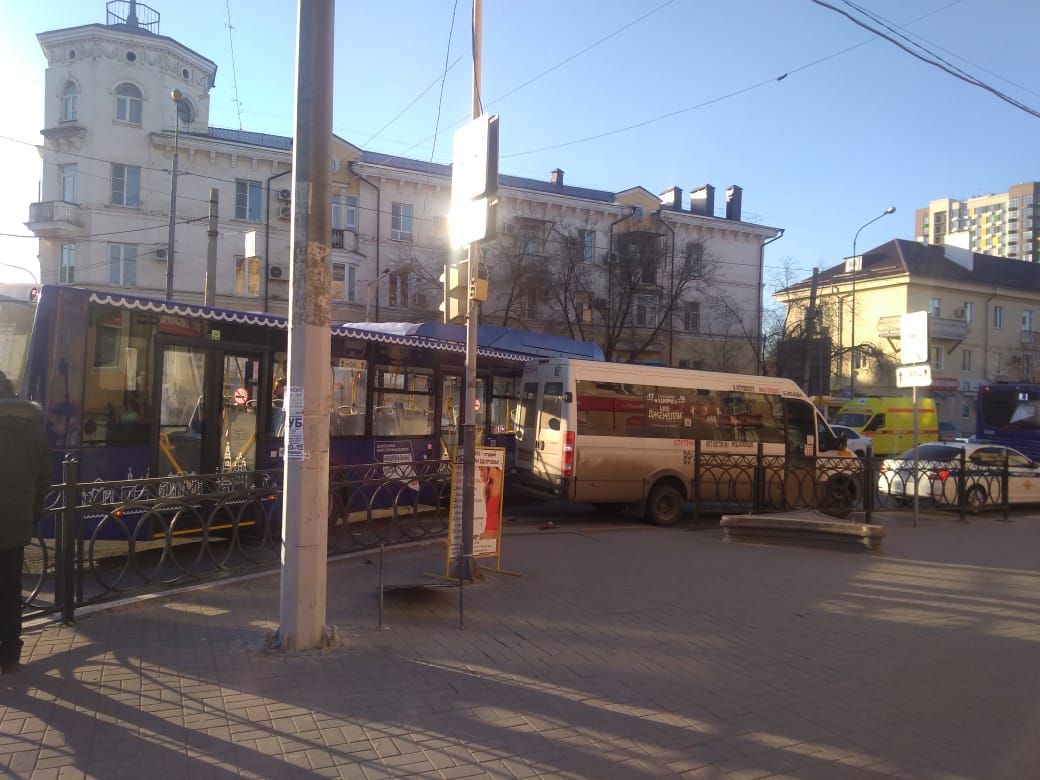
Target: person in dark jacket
{"x": 25, "y": 478}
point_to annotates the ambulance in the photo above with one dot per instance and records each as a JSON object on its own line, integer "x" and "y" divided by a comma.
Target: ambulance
{"x": 889, "y": 421}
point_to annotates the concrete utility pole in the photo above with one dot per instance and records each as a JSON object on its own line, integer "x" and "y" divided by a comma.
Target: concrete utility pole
{"x": 468, "y": 568}
{"x": 211, "y": 250}
{"x": 171, "y": 239}
{"x": 305, "y": 499}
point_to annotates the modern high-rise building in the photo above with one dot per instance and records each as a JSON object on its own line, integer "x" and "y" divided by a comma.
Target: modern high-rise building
{"x": 996, "y": 224}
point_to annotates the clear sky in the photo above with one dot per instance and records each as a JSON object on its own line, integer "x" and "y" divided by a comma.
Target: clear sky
{"x": 822, "y": 123}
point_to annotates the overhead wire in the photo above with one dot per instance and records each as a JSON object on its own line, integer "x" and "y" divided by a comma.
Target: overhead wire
{"x": 932, "y": 60}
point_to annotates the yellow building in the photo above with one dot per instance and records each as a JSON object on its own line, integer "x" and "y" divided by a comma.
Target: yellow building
{"x": 982, "y": 314}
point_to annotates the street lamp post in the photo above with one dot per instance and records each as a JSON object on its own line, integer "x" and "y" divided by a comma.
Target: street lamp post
{"x": 176, "y": 96}
{"x": 852, "y": 337}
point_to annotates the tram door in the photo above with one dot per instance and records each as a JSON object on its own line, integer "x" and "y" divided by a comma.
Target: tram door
{"x": 208, "y": 410}
{"x": 453, "y": 413}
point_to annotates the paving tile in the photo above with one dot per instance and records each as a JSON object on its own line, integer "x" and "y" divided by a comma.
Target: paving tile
{"x": 644, "y": 653}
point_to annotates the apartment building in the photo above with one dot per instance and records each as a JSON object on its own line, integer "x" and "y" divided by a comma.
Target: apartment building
{"x": 127, "y": 106}
{"x": 983, "y": 319}
{"x": 996, "y": 224}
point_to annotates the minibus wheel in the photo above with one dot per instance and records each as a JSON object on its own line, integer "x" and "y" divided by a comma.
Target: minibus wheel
{"x": 664, "y": 507}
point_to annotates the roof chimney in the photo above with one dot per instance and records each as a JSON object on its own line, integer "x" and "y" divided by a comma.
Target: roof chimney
{"x": 733, "y": 203}
{"x": 702, "y": 201}
{"x": 556, "y": 177}
{"x": 672, "y": 199}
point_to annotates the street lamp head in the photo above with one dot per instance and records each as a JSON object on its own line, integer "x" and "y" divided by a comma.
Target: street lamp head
{"x": 176, "y": 96}
{"x": 890, "y": 210}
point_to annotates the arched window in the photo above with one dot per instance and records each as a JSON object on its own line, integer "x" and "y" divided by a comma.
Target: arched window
{"x": 69, "y": 102}
{"x": 128, "y": 104}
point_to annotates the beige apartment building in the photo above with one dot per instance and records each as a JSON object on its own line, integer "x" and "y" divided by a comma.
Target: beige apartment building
{"x": 983, "y": 314}
{"x": 124, "y": 102}
{"x": 1004, "y": 224}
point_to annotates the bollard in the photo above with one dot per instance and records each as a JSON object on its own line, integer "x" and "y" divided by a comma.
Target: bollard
{"x": 380, "y": 586}
{"x": 962, "y": 487}
{"x": 696, "y": 482}
{"x": 65, "y": 542}
{"x": 1004, "y": 487}
{"x": 758, "y": 500}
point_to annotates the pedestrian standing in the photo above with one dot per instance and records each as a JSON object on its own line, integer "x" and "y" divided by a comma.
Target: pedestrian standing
{"x": 25, "y": 478}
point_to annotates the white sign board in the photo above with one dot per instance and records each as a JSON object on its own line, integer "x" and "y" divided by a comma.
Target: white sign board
{"x": 913, "y": 338}
{"x": 914, "y": 376}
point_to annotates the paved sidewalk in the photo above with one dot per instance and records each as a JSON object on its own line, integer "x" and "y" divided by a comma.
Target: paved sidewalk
{"x": 620, "y": 652}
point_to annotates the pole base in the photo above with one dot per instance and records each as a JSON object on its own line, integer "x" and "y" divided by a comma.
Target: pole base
{"x": 467, "y": 569}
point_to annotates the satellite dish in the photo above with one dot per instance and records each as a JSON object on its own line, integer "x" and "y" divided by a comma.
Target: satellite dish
{"x": 638, "y": 213}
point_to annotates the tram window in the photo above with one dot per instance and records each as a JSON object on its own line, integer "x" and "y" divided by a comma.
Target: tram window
{"x": 504, "y": 398}
{"x": 403, "y": 402}
{"x": 117, "y": 393}
{"x": 279, "y": 381}
{"x": 349, "y": 399}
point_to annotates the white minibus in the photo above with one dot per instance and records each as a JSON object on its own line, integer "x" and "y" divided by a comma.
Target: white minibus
{"x": 616, "y": 434}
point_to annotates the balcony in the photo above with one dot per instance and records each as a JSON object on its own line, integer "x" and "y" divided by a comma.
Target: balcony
{"x": 344, "y": 239}
{"x": 54, "y": 219}
{"x": 939, "y": 328}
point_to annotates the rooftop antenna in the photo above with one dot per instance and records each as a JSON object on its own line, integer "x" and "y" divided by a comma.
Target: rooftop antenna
{"x": 131, "y": 17}
{"x": 234, "y": 73}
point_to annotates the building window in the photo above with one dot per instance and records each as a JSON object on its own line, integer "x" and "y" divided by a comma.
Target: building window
{"x": 967, "y": 360}
{"x": 588, "y": 245}
{"x": 935, "y": 307}
{"x": 397, "y": 294}
{"x": 1028, "y": 321}
{"x": 998, "y": 317}
{"x": 937, "y": 358}
{"x": 693, "y": 257}
{"x": 69, "y": 102}
{"x": 67, "y": 273}
{"x": 247, "y": 276}
{"x": 858, "y": 358}
{"x": 691, "y": 317}
{"x": 401, "y": 222}
{"x": 129, "y": 103}
{"x": 69, "y": 179}
{"x": 528, "y": 301}
{"x": 998, "y": 363}
{"x": 247, "y": 200}
{"x": 344, "y": 212}
{"x": 122, "y": 265}
{"x": 645, "y": 310}
{"x": 344, "y": 282}
{"x": 126, "y": 185}
{"x": 969, "y": 312}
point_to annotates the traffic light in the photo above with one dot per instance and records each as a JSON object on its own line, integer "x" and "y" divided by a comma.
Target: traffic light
{"x": 455, "y": 280}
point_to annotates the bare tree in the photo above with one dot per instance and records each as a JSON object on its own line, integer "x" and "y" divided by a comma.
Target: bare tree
{"x": 622, "y": 300}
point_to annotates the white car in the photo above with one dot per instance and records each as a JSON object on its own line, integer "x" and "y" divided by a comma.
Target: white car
{"x": 859, "y": 444}
{"x": 939, "y": 475}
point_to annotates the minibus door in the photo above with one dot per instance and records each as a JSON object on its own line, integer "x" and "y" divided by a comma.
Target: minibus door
{"x": 540, "y": 432}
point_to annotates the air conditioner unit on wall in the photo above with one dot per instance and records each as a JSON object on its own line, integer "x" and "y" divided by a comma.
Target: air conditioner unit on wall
{"x": 160, "y": 253}
{"x": 274, "y": 272}
{"x": 421, "y": 299}
{"x": 959, "y": 313}
{"x": 285, "y": 212}
{"x": 509, "y": 228}
{"x": 285, "y": 194}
